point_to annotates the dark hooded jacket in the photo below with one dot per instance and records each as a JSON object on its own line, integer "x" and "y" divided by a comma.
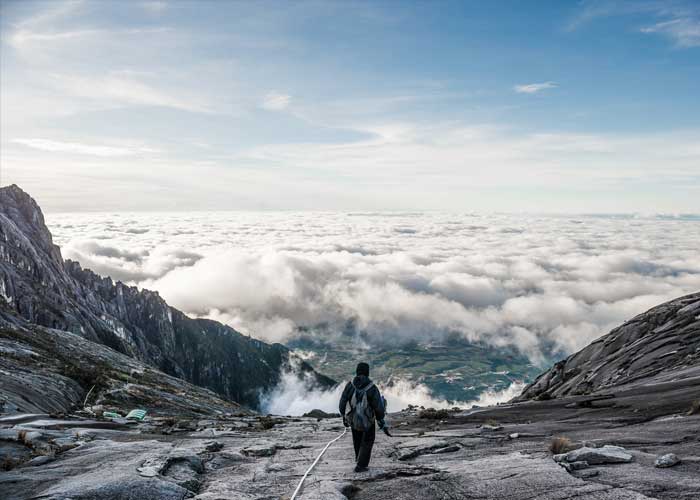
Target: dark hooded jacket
{"x": 374, "y": 398}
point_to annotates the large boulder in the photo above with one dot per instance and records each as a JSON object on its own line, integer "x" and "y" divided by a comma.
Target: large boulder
{"x": 594, "y": 456}
{"x": 668, "y": 460}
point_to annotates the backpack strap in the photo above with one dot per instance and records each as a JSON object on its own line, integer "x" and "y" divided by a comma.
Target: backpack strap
{"x": 364, "y": 389}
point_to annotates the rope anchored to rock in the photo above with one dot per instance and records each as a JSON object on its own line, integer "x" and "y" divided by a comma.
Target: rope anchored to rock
{"x": 301, "y": 482}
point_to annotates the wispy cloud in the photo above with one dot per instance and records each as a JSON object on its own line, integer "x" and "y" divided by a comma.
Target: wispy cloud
{"x": 677, "y": 20}
{"x": 276, "y": 101}
{"x": 30, "y": 40}
{"x": 78, "y": 148}
{"x": 155, "y": 7}
{"x": 533, "y": 88}
{"x": 591, "y": 10}
{"x": 684, "y": 31}
{"x": 445, "y": 151}
{"x": 50, "y": 13}
{"x": 22, "y": 38}
{"x": 118, "y": 89}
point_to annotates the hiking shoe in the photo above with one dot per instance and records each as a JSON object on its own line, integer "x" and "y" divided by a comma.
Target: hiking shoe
{"x": 360, "y": 469}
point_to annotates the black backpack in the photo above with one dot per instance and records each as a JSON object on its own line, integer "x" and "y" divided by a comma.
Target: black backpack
{"x": 361, "y": 413}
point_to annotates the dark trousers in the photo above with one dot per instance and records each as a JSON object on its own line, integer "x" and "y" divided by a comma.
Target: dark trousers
{"x": 363, "y": 442}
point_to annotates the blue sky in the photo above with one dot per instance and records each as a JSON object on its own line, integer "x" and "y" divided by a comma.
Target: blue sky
{"x": 513, "y": 106}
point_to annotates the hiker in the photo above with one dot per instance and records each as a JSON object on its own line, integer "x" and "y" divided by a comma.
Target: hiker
{"x": 366, "y": 405}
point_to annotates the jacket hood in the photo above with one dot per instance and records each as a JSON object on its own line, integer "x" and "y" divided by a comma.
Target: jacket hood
{"x": 361, "y": 381}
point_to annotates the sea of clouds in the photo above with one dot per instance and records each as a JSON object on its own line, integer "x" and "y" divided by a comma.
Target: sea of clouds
{"x": 296, "y": 396}
{"x": 539, "y": 283}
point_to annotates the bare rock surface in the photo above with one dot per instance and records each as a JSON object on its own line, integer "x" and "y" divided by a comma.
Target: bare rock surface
{"x": 424, "y": 459}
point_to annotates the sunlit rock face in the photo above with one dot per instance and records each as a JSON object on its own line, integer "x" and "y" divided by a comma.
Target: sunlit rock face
{"x": 39, "y": 287}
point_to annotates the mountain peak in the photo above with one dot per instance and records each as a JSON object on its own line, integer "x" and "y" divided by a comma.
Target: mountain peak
{"x": 15, "y": 196}
{"x": 23, "y": 212}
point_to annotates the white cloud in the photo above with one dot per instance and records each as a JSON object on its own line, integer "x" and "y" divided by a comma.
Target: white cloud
{"x": 680, "y": 20}
{"x": 296, "y": 395}
{"x": 533, "y": 88}
{"x": 155, "y": 7}
{"x": 22, "y": 39}
{"x": 74, "y": 147}
{"x": 51, "y": 13}
{"x": 275, "y": 101}
{"x": 533, "y": 282}
{"x": 444, "y": 156}
{"x": 684, "y": 31}
{"x": 122, "y": 90}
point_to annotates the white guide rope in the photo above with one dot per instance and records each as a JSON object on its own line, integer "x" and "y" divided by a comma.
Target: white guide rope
{"x": 296, "y": 492}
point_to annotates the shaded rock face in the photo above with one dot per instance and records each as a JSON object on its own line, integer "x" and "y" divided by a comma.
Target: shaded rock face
{"x": 662, "y": 340}
{"x": 52, "y": 371}
{"x": 39, "y": 287}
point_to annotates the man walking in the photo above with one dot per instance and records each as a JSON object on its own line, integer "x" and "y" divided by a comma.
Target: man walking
{"x": 366, "y": 406}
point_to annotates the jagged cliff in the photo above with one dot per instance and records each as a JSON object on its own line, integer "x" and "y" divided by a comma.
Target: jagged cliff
{"x": 40, "y": 288}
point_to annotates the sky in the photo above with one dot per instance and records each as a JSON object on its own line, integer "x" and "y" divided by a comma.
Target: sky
{"x": 573, "y": 107}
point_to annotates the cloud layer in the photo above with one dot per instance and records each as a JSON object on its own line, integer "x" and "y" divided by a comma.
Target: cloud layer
{"x": 541, "y": 284}
{"x": 295, "y": 396}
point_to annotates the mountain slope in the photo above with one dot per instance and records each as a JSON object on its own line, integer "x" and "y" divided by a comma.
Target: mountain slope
{"x": 39, "y": 287}
{"x": 46, "y": 370}
{"x": 660, "y": 343}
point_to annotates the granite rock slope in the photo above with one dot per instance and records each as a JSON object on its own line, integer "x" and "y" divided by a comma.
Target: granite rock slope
{"x": 40, "y": 288}
{"x": 249, "y": 458}
{"x": 661, "y": 343}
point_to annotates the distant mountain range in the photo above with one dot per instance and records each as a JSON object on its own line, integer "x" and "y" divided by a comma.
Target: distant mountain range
{"x": 39, "y": 289}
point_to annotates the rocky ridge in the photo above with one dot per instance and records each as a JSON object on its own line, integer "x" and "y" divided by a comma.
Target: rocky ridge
{"x": 662, "y": 342}
{"x": 56, "y": 372}
{"x": 40, "y": 288}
